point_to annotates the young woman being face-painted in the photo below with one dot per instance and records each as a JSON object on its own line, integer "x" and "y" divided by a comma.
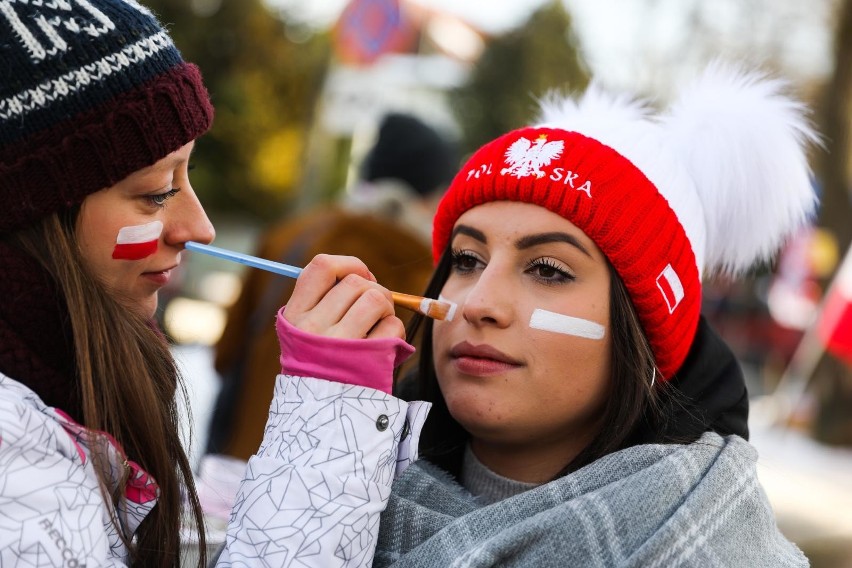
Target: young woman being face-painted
{"x": 525, "y": 365}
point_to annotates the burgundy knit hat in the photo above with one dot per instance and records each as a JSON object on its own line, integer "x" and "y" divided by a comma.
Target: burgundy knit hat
{"x": 89, "y": 93}
{"x": 715, "y": 185}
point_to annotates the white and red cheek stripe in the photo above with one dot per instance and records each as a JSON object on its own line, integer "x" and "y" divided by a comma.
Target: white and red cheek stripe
{"x": 138, "y": 241}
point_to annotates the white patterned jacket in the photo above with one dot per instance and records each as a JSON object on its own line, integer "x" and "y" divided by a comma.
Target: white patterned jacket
{"x": 311, "y": 496}
{"x": 52, "y": 512}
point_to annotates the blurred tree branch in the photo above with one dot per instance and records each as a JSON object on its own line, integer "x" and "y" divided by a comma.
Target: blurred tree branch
{"x": 264, "y": 78}
{"x": 832, "y": 378}
{"x": 835, "y": 118}
{"x": 516, "y": 68}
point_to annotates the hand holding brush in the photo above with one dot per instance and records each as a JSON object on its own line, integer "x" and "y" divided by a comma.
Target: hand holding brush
{"x": 429, "y": 307}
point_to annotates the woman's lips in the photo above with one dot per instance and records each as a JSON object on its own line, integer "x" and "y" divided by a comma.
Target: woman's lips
{"x": 481, "y": 360}
{"x": 160, "y": 278}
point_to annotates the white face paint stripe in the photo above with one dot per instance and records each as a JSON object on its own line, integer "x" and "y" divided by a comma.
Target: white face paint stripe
{"x": 140, "y": 233}
{"x": 560, "y": 323}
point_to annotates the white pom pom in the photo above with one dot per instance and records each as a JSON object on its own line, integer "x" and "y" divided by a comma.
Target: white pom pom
{"x": 606, "y": 117}
{"x": 628, "y": 126}
{"x": 743, "y": 143}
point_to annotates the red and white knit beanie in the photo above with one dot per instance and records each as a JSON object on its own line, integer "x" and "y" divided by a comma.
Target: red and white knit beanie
{"x": 715, "y": 184}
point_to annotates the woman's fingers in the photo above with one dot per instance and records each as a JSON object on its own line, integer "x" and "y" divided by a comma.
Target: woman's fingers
{"x": 337, "y": 296}
{"x": 350, "y": 309}
{"x": 387, "y": 328}
{"x": 366, "y": 317}
{"x": 320, "y": 276}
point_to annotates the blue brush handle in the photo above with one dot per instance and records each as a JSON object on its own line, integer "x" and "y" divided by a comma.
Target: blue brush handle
{"x": 248, "y": 260}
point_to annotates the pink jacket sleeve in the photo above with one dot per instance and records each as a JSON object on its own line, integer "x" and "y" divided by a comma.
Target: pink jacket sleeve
{"x": 361, "y": 362}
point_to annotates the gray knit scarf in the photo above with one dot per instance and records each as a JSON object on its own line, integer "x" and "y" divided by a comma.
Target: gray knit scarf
{"x": 647, "y": 506}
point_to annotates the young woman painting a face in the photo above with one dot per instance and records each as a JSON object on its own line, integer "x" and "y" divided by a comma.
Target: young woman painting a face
{"x": 582, "y": 411}
{"x": 97, "y": 123}
{"x": 99, "y": 114}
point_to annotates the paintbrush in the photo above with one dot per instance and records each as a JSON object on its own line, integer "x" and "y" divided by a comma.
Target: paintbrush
{"x": 436, "y": 309}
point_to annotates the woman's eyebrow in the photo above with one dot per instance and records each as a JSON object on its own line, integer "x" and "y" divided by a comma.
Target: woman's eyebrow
{"x": 470, "y": 232}
{"x": 556, "y": 237}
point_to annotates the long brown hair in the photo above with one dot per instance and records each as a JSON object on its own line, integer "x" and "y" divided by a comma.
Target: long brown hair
{"x": 633, "y": 412}
{"x": 128, "y": 381}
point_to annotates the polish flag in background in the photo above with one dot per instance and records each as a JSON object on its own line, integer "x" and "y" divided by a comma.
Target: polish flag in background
{"x": 834, "y": 326}
{"x": 137, "y": 242}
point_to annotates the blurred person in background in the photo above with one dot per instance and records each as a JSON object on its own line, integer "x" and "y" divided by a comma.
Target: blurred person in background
{"x": 583, "y": 412}
{"x": 385, "y": 219}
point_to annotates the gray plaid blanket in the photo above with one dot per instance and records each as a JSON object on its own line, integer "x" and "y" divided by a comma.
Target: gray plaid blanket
{"x": 651, "y": 506}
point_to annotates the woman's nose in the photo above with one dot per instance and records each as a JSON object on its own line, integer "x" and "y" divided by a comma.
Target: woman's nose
{"x": 489, "y": 300}
{"x": 188, "y": 220}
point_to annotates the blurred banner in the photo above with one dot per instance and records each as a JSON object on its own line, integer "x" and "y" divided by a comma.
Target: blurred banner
{"x": 834, "y": 326}
{"x": 368, "y": 29}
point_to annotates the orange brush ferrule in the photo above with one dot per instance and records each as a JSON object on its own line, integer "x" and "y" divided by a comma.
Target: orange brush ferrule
{"x": 429, "y": 307}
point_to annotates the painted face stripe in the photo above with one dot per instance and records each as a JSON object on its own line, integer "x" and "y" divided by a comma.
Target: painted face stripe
{"x": 560, "y": 323}
{"x": 138, "y": 241}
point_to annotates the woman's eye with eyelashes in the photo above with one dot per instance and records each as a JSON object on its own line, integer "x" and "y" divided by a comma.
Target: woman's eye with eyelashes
{"x": 548, "y": 271}
{"x": 464, "y": 261}
{"x": 159, "y": 200}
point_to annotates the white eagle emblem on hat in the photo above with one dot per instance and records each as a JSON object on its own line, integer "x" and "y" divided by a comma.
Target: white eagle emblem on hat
{"x": 526, "y": 158}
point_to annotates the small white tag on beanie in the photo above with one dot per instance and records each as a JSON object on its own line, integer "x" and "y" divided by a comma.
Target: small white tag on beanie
{"x": 670, "y": 287}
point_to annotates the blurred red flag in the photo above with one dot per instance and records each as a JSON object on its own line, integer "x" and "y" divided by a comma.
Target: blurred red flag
{"x": 834, "y": 325}
{"x": 367, "y": 29}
